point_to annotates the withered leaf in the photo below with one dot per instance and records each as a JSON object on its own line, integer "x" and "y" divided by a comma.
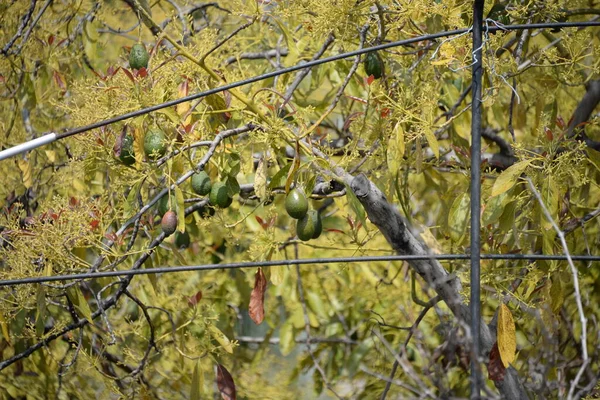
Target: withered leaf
{"x": 257, "y": 298}
{"x": 225, "y": 383}
{"x": 496, "y": 369}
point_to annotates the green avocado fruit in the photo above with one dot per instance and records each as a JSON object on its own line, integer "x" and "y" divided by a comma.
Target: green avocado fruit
{"x": 374, "y": 65}
{"x": 138, "y": 57}
{"x": 163, "y": 204}
{"x": 201, "y": 183}
{"x": 206, "y": 211}
{"x": 305, "y": 228}
{"x": 296, "y": 204}
{"x": 316, "y": 217}
{"x": 127, "y": 155}
{"x": 218, "y": 195}
{"x": 182, "y": 240}
{"x": 155, "y": 143}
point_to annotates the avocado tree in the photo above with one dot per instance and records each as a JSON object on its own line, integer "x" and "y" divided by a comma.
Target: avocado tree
{"x": 359, "y": 157}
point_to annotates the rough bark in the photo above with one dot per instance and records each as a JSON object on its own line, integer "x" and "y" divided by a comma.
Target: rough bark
{"x": 399, "y": 235}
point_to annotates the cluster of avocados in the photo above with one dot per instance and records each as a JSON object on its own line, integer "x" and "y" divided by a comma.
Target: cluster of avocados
{"x": 309, "y": 224}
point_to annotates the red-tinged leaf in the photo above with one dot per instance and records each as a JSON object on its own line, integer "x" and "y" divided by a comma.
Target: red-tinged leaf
{"x": 184, "y": 88}
{"x": 370, "y": 80}
{"x": 94, "y": 224}
{"x": 549, "y": 134}
{"x": 334, "y": 230}
{"x": 560, "y": 122}
{"x": 385, "y": 112}
{"x": 50, "y": 39}
{"x": 264, "y": 224}
{"x": 350, "y": 222}
{"x": 225, "y": 383}
{"x": 257, "y": 298}
{"x": 142, "y": 72}
{"x": 195, "y": 299}
{"x": 496, "y": 369}
{"x": 119, "y": 142}
{"x": 59, "y": 80}
{"x": 111, "y": 236}
{"x": 227, "y": 97}
{"x": 2, "y": 79}
{"x": 73, "y": 202}
{"x": 351, "y": 118}
{"x": 360, "y": 100}
{"x": 128, "y": 73}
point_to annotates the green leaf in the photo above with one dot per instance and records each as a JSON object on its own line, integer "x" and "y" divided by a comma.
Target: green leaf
{"x": 458, "y": 218}
{"x": 221, "y": 338}
{"x": 79, "y": 302}
{"x": 40, "y": 318}
{"x": 279, "y": 178}
{"x": 508, "y": 178}
{"x": 180, "y": 209}
{"x": 197, "y": 383}
{"x": 286, "y": 338}
{"x": 316, "y": 304}
{"x": 356, "y": 206}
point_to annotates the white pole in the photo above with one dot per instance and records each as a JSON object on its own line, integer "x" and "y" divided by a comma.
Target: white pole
{"x": 30, "y": 145}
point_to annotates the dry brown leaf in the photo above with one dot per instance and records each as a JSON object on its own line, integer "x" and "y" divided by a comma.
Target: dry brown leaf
{"x": 496, "y": 370}
{"x": 225, "y": 383}
{"x": 257, "y": 298}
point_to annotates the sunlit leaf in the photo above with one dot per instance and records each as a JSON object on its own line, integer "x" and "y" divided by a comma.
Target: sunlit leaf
{"x": 508, "y": 178}
{"x": 507, "y": 339}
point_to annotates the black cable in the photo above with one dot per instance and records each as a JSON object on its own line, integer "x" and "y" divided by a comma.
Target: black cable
{"x": 255, "y": 264}
{"x": 310, "y": 64}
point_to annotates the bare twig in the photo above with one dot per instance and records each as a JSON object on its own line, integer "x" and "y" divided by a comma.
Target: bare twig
{"x": 578, "y": 300}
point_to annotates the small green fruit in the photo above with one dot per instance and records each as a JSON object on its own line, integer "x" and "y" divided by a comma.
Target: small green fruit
{"x": 218, "y": 195}
{"x": 138, "y": 57}
{"x": 374, "y": 65}
{"x": 127, "y": 155}
{"x": 155, "y": 143}
{"x": 201, "y": 183}
{"x": 169, "y": 223}
{"x": 163, "y": 204}
{"x": 316, "y": 217}
{"x": 296, "y": 204}
{"x": 182, "y": 240}
{"x": 305, "y": 228}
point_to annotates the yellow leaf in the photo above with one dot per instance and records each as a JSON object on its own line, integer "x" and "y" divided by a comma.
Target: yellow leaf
{"x": 433, "y": 142}
{"x": 277, "y": 275}
{"x": 221, "y": 338}
{"x": 508, "y": 177}
{"x": 444, "y": 61}
{"x": 260, "y": 179}
{"x": 51, "y": 154}
{"x": 180, "y": 210}
{"x": 395, "y": 149}
{"x": 25, "y": 168}
{"x": 507, "y": 338}
{"x": 4, "y": 326}
{"x": 138, "y": 145}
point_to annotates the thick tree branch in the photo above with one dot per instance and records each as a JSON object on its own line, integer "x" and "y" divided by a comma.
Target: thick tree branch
{"x": 398, "y": 234}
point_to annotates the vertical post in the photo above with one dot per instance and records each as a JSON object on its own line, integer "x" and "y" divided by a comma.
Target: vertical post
{"x": 476, "y": 195}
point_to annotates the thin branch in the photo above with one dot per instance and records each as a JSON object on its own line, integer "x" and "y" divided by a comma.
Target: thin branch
{"x": 574, "y": 272}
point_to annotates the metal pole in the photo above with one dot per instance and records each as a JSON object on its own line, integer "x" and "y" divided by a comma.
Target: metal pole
{"x": 476, "y": 196}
